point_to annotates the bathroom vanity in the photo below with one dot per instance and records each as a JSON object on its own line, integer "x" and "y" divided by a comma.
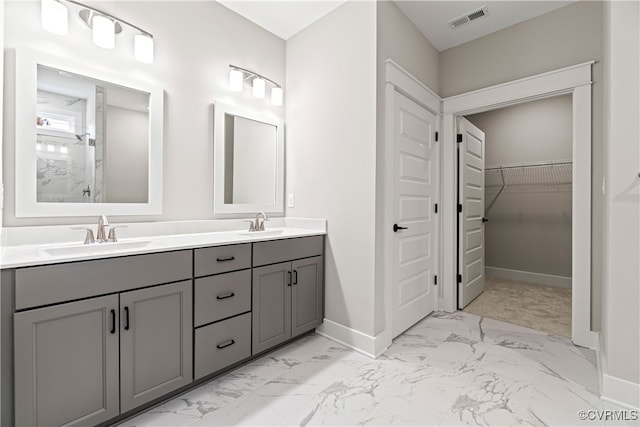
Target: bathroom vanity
{"x": 94, "y": 340}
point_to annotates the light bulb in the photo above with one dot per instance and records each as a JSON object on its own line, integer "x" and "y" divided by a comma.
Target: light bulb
{"x": 38, "y": 146}
{"x": 276, "y": 96}
{"x": 104, "y": 31}
{"x": 51, "y": 148}
{"x": 236, "y": 80}
{"x": 64, "y": 150}
{"x": 143, "y": 48}
{"x": 258, "y": 87}
{"x": 54, "y": 17}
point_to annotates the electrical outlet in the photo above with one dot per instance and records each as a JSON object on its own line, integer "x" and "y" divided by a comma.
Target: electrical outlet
{"x": 291, "y": 200}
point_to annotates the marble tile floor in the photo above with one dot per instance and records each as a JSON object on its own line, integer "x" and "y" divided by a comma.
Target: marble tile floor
{"x": 449, "y": 369}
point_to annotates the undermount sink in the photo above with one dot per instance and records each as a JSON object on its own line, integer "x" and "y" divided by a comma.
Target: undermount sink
{"x": 95, "y": 248}
{"x": 265, "y": 233}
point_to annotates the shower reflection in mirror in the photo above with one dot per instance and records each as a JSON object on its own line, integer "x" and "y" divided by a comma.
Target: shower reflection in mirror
{"x": 75, "y": 161}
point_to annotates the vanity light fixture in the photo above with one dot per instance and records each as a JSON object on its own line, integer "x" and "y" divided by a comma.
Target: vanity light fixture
{"x": 258, "y": 87}
{"x": 238, "y": 77}
{"x": 104, "y": 26}
{"x": 54, "y": 17}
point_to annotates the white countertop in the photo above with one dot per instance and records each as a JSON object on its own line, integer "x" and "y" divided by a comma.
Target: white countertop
{"x": 20, "y": 247}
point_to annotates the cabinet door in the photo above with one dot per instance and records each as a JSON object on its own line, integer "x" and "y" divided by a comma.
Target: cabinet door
{"x": 66, "y": 363}
{"x": 271, "y": 308}
{"x": 307, "y": 295}
{"x": 155, "y": 342}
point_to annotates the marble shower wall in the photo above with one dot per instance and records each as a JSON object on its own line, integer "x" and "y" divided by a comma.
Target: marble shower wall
{"x": 64, "y": 163}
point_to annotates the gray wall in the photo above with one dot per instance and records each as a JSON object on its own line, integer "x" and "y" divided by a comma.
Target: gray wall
{"x": 564, "y": 37}
{"x": 528, "y": 230}
{"x": 195, "y": 42}
{"x": 331, "y": 151}
{"x": 397, "y": 39}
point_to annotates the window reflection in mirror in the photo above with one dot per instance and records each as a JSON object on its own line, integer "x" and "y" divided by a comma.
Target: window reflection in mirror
{"x": 251, "y": 150}
{"x": 92, "y": 140}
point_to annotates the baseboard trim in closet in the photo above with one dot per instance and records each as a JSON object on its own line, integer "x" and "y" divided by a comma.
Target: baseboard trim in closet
{"x": 529, "y": 277}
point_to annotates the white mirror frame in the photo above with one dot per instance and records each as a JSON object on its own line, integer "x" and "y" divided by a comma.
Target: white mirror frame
{"x": 26, "y": 203}
{"x": 227, "y": 210}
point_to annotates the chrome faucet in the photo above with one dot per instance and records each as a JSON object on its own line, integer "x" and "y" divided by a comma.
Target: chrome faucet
{"x": 260, "y": 224}
{"x": 101, "y": 235}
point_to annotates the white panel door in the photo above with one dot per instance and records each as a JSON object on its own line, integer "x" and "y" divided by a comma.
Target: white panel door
{"x": 414, "y": 192}
{"x": 470, "y": 220}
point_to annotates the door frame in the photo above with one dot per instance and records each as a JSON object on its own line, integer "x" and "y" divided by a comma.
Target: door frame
{"x": 576, "y": 81}
{"x": 400, "y": 80}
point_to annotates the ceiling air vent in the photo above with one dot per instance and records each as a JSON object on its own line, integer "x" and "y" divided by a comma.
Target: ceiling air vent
{"x": 468, "y": 17}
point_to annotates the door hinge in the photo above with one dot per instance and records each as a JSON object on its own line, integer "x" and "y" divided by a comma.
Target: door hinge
{"x": 459, "y": 208}
{"x": 436, "y": 208}
{"x": 459, "y": 278}
{"x": 459, "y": 138}
{"x": 436, "y": 136}
{"x": 435, "y": 279}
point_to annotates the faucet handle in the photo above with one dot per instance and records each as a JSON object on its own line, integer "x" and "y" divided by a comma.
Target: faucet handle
{"x": 89, "y": 238}
{"x": 112, "y": 232}
{"x": 252, "y": 226}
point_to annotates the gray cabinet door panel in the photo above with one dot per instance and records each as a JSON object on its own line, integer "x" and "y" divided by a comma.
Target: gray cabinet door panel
{"x": 50, "y": 284}
{"x": 221, "y": 259}
{"x": 155, "y": 342}
{"x": 66, "y": 364}
{"x": 221, "y": 296}
{"x": 271, "y": 306}
{"x": 222, "y": 344}
{"x": 307, "y": 294}
{"x": 273, "y": 251}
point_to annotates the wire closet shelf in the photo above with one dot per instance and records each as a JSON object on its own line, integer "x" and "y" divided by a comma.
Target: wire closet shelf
{"x": 552, "y": 176}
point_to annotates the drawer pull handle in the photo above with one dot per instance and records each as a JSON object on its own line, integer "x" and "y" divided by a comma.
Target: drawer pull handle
{"x": 225, "y": 296}
{"x": 113, "y": 322}
{"x": 295, "y": 277}
{"x": 225, "y": 344}
{"x": 289, "y": 282}
{"x": 126, "y": 318}
{"x": 231, "y": 258}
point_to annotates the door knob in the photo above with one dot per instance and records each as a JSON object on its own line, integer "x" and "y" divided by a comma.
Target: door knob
{"x": 484, "y": 220}
{"x": 396, "y": 227}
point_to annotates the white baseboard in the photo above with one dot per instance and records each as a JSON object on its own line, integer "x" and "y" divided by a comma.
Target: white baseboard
{"x": 527, "y": 276}
{"x": 620, "y": 392}
{"x": 615, "y": 390}
{"x": 356, "y": 340}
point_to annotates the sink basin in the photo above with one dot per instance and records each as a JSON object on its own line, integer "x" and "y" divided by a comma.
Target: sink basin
{"x": 266, "y": 233}
{"x": 95, "y": 248}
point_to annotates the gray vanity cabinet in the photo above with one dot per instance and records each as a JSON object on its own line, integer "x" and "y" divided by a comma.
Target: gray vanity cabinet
{"x": 155, "y": 342}
{"x": 287, "y": 296}
{"x": 271, "y": 306}
{"x": 306, "y": 295}
{"x": 66, "y": 369}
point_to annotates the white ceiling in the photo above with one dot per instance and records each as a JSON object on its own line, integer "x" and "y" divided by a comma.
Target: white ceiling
{"x": 432, "y": 17}
{"x": 285, "y": 18}
{"x": 282, "y": 18}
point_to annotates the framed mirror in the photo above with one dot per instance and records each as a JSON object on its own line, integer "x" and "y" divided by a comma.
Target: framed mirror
{"x": 248, "y": 162}
{"x": 88, "y": 141}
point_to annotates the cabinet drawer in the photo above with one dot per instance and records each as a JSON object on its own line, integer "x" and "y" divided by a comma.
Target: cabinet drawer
{"x": 222, "y": 344}
{"x": 274, "y": 251}
{"x": 49, "y": 284}
{"x": 222, "y": 296}
{"x": 222, "y": 258}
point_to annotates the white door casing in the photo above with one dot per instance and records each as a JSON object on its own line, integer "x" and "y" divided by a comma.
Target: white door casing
{"x": 470, "y": 219}
{"x": 414, "y": 191}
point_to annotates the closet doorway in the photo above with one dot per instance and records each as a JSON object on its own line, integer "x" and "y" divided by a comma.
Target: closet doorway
{"x": 575, "y": 81}
{"x": 515, "y": 226}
